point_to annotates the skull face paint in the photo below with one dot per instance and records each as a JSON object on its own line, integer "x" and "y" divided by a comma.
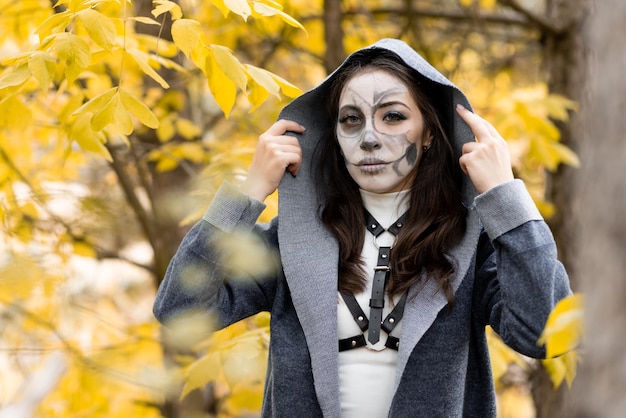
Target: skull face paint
{"x": 380, "y": 131}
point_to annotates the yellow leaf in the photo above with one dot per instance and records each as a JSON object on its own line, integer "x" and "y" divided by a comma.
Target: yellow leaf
{"x": 166, "y": 129}
{"x": 239, "y": 7}
{"x": 564, "y": 328}
{"x": 187, "y": 129}
{"x": 201, "y": 372}
{"x": 221, "y": 7}
{"x": 121, "y": 117}
{"x": 488, "y": 4}
{"x": 229, "y": 65}
{"x": 83, "y": 249}
{"x": 88, "y": 139}
{"x": 266, "y": 10}
{"x": 562, "y": 368}
{"x": 14, "y": 114}
{"x": 264, "y": 78}
{"x": 286, "y": 87}
{"x": 96, "y": 103}
{"x": 144, "y": 20}
{"x": 246, "y": 397}
{"x": 244, "y": 362}
{"x": 163, "y": 6}
{"x": 187, "y": 35}
{"x": 18, "y": 276}
{"x": 74, "y": 102}
{"x": 74, "y": 51}
{"x": 224, "y": 90}
{"x": 192, "y": 151}
{"x": 14, "y": 77}
{"x": 54, "y": 24}
{"x": 558, "y": 106}
{"x": 42, "y": 66}
{"x": 566, "y": 155}
{"x": 139, "y": 110}
{"x": 99, "y": 27}
{"x": 143, "y": 60}
{"x": 105, "y": 115}
{"x": 501, "y": 355}
{"x": 262, "y": 84}
{"x": 466, "y": 3}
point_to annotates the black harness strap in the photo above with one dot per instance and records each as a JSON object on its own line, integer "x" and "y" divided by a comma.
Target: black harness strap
{"x": 377, "y": 300}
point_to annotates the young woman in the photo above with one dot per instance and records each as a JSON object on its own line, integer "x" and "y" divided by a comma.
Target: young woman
{"x": 401, "y": 234}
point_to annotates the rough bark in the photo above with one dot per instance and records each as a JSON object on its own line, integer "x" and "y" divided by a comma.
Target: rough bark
{"x": 601, "y": 202}
{"x": 333, "y": 35}
{"x": 565, "y": 57}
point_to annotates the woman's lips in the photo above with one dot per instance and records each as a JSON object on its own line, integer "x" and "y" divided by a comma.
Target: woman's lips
{"x": 371, "y": 165}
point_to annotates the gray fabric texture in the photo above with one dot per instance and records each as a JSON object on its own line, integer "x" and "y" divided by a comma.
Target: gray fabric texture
{"x": 443, "y": 364}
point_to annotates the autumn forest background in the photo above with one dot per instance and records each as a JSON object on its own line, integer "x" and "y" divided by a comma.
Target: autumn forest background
{"x": 119, "y": 119}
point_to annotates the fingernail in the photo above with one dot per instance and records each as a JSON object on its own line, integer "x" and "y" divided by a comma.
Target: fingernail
{"x": 459, "y": 106}
{"x": 303, "y": 128}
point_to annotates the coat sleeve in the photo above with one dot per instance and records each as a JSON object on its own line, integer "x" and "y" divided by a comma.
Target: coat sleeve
{"x": 518, "y": 275}
{"x": 201, "y": 280}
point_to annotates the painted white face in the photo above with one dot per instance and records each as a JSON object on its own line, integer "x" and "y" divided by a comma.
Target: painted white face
{"x": 380, "y": 131}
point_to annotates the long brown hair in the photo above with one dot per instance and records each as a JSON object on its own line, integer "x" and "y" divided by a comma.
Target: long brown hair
{"x": 436, "y": 216}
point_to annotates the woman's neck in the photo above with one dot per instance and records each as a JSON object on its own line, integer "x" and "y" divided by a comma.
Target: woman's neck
{"x": 386, "y": 208}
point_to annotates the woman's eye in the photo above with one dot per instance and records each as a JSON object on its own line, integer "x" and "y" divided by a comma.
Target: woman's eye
{"x": 394, "y": 117}
{"x": 350, "y": 120}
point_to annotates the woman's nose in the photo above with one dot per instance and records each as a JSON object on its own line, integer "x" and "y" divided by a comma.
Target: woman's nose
{"x": 370, "y": 141}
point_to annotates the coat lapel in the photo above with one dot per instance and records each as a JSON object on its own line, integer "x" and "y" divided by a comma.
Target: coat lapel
{"x": 425, "y": 302}
{"x": 309, "y": 255}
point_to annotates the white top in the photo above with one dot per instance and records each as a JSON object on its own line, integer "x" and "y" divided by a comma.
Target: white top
{"x": 367, "y": 376}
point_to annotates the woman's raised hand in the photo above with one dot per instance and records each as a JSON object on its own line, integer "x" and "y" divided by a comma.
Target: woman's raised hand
{"x": 275, "y": 153}
{"x": 486, "y": 161}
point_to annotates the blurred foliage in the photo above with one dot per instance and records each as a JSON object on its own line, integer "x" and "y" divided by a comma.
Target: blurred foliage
{"x": 563, "y": 338}
{"x": 114, "y": 133}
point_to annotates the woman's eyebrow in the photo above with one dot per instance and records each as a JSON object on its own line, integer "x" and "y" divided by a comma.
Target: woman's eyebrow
{"x": 350, "y": 107}
{"x": 392, "y": 103}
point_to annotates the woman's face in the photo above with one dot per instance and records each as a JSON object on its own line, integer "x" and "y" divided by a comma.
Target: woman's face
{"x": 380, "y": 131}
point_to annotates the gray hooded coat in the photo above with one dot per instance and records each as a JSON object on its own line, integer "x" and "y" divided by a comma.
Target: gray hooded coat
{"x": 507, "y": 276}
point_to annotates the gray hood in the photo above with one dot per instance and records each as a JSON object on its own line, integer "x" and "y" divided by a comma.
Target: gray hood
{"x": 310, "y": 253}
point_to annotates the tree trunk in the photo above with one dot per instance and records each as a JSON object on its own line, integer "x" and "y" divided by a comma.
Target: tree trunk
{"x": 333, "y": 35}
{"x": 565, "y": 56}
{"x": 565, "y": 60}
{"x": 600, "y": 203}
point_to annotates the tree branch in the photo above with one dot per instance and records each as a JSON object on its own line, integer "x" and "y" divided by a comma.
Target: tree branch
{"x": 452, "y": 16}
{"x": 146, "y": 222}
{"x": 543, "y": 23}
